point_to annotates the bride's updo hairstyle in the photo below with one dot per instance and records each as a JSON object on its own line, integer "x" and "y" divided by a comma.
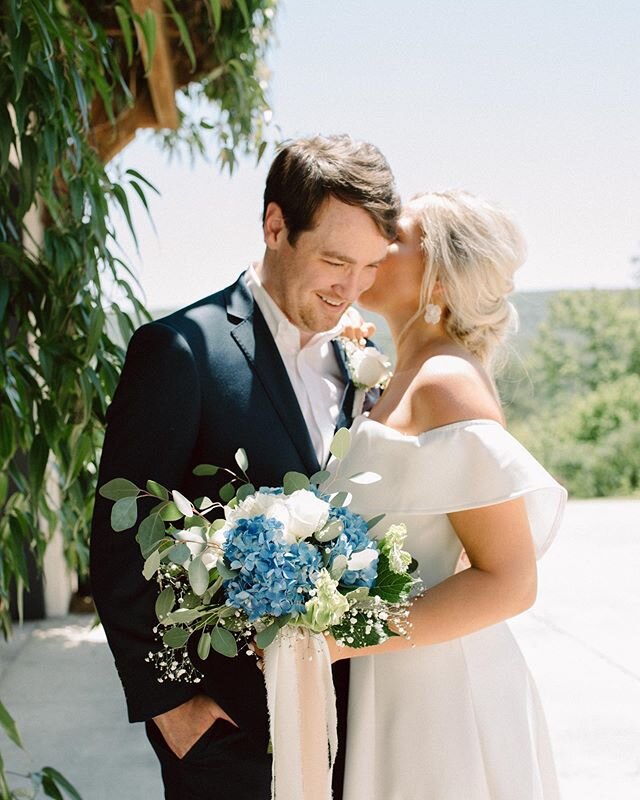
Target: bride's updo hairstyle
{"x": 473, "y": 249}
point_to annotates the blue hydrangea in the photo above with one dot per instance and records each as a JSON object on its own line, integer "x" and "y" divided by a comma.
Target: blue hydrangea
{"x": 275, "y": 577}
{"x": 354, "y": 537}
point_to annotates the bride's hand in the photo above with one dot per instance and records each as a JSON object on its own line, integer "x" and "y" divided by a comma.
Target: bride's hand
{"x": 357, "y": 328}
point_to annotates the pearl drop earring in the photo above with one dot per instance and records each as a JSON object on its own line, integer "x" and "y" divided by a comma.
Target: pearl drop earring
{"x": 432, "y": 314}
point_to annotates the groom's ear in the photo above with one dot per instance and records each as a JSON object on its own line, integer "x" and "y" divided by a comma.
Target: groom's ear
{"x": 274, "y": 226}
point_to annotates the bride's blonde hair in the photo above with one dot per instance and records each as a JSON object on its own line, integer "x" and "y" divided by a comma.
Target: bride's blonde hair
{"x": 472, "y": 248}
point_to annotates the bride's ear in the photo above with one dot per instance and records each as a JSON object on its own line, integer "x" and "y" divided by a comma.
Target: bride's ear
{"x": 274, "y": 226}
{"x": 438, "y": 291}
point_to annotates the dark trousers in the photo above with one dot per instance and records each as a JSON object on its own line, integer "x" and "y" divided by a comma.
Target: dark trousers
{"x": 224, "y": 763}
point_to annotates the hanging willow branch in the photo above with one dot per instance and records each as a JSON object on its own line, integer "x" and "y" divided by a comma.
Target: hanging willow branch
{"x": 76, "y": 81}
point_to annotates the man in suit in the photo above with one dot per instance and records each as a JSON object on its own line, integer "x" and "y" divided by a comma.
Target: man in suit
{"x": 252, "y": 366}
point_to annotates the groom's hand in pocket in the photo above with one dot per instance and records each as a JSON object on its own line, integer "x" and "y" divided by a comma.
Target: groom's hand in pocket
{"x": 181, "y": 727}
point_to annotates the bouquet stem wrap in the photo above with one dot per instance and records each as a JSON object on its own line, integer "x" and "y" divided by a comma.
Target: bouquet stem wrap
{"x": 302, "y": 715}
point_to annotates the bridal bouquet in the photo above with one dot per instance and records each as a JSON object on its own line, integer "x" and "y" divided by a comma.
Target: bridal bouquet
{"x": 278, "y": 566}
{"x": 293, "y": 555}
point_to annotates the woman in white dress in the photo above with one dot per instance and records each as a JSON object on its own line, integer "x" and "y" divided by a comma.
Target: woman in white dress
{"x": 450, "y": 713}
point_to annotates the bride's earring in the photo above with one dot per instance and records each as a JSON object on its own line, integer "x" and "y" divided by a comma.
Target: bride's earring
{"x": 432, "y": 314}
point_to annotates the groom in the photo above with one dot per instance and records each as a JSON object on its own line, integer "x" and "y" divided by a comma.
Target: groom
{"x": 252, "y": 366}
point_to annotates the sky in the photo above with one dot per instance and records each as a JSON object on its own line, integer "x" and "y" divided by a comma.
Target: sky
{"x": 535, "y": 105}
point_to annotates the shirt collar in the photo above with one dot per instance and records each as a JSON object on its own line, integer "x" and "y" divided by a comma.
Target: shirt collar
{"x": 284, "y": 332}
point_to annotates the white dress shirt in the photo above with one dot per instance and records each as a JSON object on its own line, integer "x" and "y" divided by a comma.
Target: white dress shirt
{"x": 313, "y": 370}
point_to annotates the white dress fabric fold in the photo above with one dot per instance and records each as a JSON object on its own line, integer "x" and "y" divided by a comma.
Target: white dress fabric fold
{"x": 459, "y": 720}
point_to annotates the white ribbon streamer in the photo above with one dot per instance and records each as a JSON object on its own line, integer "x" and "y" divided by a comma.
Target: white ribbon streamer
{"x": 302, "y": 715}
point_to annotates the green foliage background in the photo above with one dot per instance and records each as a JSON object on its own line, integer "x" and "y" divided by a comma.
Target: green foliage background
{"x": 572, "y": 390}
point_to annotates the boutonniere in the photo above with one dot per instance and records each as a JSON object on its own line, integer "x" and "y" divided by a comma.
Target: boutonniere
{"x": 368, "y": 369}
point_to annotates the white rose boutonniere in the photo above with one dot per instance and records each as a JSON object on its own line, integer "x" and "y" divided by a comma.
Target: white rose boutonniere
{"x": 368, "y": 369}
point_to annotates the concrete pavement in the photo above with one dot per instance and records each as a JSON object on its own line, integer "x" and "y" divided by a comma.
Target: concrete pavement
{"x": 581, "y": 640}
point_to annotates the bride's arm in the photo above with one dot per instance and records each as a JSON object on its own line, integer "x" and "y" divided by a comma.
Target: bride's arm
{"x": 500, "y": 583}
{"x": 502, "y": 579}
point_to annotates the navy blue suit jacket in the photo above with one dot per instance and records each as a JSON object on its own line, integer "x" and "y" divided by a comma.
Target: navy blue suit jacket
{"x": 195, "y": 387}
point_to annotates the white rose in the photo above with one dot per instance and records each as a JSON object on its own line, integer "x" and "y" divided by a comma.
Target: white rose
{"x": 271, "y": 505}
{"x": 307, "y": 514}
{"x": 370, "y": 366}
{"x": 212, "y": 555}
{"x": 362, "y": 559}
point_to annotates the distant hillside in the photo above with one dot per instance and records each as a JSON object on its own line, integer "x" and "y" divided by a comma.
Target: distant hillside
{"x": 531, "y": 308}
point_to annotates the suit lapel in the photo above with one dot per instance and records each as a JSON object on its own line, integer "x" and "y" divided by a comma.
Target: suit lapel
{"x": 253, "y": 337}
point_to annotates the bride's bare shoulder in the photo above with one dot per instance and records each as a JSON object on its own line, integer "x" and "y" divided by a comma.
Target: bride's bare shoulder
{"x": 451, "y": 388}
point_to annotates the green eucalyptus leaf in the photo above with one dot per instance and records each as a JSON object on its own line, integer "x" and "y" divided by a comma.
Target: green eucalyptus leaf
{"x": 183, "y": 505}
{"x": 152, "y": 565}
{"x": 203, "y": 503}
{"x": 266, "y": 636}
{"x": 176, "y": 638}
{"x": 245, "y": 491}
{"x": 150, "y": 533}
{"x": 179, "y": 553}
{"x": 119, "y": 488}
{"x": 331, "y": 531}
{"x": 205, "y": 469}
{"x": 191, "y": 600}
{"x": 198, "y": 576}
{"x": 165, "y": 602}
{"x": 241, "y": 459}
{"x": 293, "y": 481}
{"x": 170, "y": 512}
{"x": 224, "y": 642}
{"x": 355, "y": 596}
{"x": 157, "y": 490}
{"x": 124, "y": 513}
{"x": 340, "y": 499}
{"x": 340, "y": 443}
{"x": 227, "y": 492}
{"x": 375, "y": 520}
{"x": 319, "y": 477}
{"x": 204, "y": 645}
{"x": 184, "y": 616}
{"x": 338, "y": 567}
{"x": 198, "y": 523}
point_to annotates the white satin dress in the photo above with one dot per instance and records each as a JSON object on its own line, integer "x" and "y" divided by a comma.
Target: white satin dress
{"x": 459, "y": 720}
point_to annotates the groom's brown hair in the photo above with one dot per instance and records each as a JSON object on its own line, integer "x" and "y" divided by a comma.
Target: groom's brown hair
{"x": 306, "y": 172}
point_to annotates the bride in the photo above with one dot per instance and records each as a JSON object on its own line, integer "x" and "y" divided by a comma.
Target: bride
{"x": 450, "y": 712}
